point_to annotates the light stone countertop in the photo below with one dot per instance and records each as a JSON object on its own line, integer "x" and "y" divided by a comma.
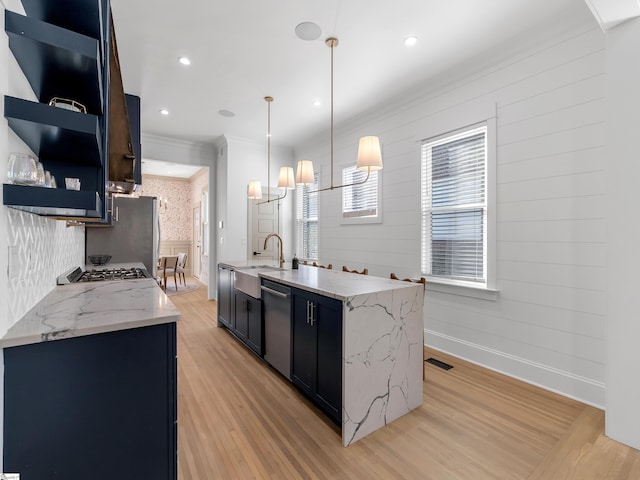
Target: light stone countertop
{"x": 330, "y": 283}
{"x": 89, "y": 308}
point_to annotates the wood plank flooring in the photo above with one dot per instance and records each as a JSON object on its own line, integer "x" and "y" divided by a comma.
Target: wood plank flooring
{"x": 239, "y": 419}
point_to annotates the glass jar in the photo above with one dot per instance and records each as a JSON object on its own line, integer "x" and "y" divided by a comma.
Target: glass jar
{"x": 22, "y": 169}
{"x": 41, "y": 177}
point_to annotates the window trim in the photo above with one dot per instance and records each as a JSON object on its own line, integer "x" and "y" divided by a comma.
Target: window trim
{"x": 466, "y": 116}
{"x": 357, "y": 220}
{"x": 298, "y": 222}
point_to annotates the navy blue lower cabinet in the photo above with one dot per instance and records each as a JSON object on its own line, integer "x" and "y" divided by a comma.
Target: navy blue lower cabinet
{"x": 225, "y": 297}
{"x": 316, "y": 366}
{"x": 100, "y": 406}
{"x": 248, "y": 320}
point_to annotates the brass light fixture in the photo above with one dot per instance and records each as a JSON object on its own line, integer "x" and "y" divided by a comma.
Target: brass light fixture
{"x": 285, "y": 177}
{"x": 369, "y": 153}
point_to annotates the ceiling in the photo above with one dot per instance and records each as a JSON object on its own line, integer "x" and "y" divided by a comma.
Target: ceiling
{"x": 168, "y": 169}
{"x": 242, "y": 51}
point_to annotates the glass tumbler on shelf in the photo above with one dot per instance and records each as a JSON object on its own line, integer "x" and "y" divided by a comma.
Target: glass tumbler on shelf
{"x": 22, "y": 169}
{"x": 41, "y": 177}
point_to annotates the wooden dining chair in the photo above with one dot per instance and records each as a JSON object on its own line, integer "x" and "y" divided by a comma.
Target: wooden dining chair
{"x": 363, "y": 272}
{"x": 181, "y": 267}
{"x": 168, "y": 267}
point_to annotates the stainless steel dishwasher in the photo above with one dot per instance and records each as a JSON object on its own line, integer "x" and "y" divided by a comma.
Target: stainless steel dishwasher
{"x": 276, "y": 300}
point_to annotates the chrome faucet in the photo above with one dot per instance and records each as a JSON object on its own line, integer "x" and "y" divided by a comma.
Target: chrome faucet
{"x": 279, "y": 238}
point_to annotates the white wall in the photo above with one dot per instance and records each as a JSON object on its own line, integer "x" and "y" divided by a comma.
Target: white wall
{"x": 623, "y": 179}
{"x": 246, "y": 161}
{"x": 547, "y": 326}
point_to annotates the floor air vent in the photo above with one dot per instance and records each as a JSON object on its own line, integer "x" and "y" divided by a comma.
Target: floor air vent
{"x": 438, "y": 363}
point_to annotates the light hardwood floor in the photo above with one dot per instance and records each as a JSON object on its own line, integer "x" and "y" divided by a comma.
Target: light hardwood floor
{"x": 239, "y": 419}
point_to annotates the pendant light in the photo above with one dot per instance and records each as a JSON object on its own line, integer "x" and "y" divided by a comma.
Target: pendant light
{"x": 285, "y": 177}
{"x": 369, "y": 152}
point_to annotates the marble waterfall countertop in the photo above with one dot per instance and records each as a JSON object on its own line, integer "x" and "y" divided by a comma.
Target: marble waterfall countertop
{"x": 382, "y": 341}
{"x": 89, "y": 308}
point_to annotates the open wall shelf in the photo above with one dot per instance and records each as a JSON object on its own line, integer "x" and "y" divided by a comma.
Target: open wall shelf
{"x": 54, "y": 132}
{"x": 57, "y": 62}
{"x": 82, "y": 16}
{"x": 55, "y": 202}
{"x": 63, "y": 49}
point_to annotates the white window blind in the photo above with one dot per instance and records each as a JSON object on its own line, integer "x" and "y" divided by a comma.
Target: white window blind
{"x": 454, "y": 206}
{"x": 307, "y": 220}
{"x": 359, "y": 200}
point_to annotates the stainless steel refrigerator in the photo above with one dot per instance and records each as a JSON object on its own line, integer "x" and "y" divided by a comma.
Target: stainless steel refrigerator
{"x": 134, "y": 235}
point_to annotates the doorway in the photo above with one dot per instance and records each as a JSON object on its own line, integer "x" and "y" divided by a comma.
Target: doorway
{"x": 197, "y": 243}
{"x": 263, "y": 220}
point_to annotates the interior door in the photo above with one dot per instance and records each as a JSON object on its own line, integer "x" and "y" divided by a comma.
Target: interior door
{"x": 197, "y": 242}
{"x": 264, "y": 220}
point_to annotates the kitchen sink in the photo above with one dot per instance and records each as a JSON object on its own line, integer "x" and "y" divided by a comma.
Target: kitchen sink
{"x": 247, "y": 279}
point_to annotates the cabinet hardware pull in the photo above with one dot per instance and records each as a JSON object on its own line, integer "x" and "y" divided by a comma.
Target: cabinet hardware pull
{"x": 117, "y": 213}
{"x": 313, "y": 314}
{"x": 308, "y": 315}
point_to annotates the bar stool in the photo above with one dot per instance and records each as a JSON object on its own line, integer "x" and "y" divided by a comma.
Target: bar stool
{"x": 422, "y": 280}
{"x": 328, "y": 267}
{"x": 363, "y": 272}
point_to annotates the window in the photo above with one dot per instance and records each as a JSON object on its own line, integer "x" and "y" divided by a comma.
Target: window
{"x": 307, "y": 220}
{"x": 360, "y": 201}
{"x": 454, "y": 206}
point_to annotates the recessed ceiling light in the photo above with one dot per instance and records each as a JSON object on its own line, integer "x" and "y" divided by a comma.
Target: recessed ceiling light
{"x": 411, "y": 41}
{"x": 184, "y": 60}
{"x": 308, "y": 31}
{"x": 226, "y": 113}
{"x": 317, "y": 103}
{"x": 164, "y": 111}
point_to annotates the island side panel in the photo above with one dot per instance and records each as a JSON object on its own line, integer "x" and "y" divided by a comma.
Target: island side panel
{"x": 383, "y": 355}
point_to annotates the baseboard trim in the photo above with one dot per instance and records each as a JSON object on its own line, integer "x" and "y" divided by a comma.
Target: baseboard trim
{"x": 579, "y": 388}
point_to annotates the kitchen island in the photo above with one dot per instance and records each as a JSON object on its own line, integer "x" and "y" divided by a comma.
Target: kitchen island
{"x": 381, "y": 337}
{"x": 90, "y": 384}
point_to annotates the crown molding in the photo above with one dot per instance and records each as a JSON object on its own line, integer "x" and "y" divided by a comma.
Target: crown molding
{"x": 609, "y": 13}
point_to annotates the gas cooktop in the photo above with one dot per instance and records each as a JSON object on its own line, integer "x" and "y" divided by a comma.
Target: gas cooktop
{"x": 102, "y": 274}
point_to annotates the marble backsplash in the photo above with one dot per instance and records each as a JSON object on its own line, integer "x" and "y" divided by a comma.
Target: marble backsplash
{"x": 39, "y": 250}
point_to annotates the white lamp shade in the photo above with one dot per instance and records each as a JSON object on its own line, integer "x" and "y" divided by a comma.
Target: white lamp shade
{"x": 304, "y": 175}
{"x": 285, "y": 179}
{"x": 255, "y": 190}
{"x": 369, "y": 154}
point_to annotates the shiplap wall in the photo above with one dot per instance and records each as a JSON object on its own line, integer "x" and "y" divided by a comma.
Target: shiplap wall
{"x": 547, "y": 325}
